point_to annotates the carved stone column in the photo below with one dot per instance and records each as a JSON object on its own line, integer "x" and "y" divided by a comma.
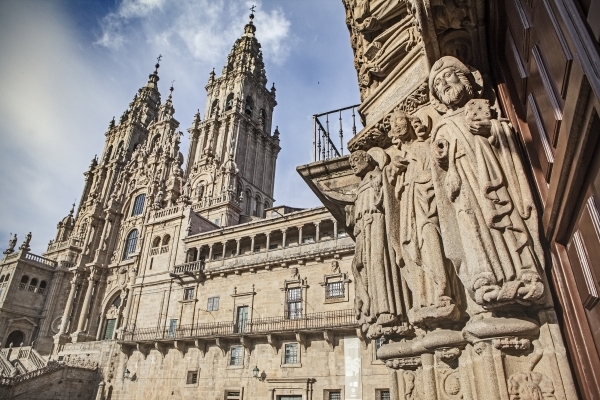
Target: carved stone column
{"x": 284, "y": 238}
{"x": 69, "y": 306}
{"x": 317, "y": 231}
{"x": 83, "y": 316}
{"x": 335, "y": 229}
{"x": 268, "y": 240}
{"x": 237, "y": 247}
{"x": 252, "y": 244}
{"x": 300, "y": 235}
{"x": 210, "y": 251}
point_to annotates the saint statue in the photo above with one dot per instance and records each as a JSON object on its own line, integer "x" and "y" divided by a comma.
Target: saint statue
{"x": 429, "y": 276}
{"x": 11, "y": 245}
{"x": 491, "y": 217}
{"x": 378, "y": 300}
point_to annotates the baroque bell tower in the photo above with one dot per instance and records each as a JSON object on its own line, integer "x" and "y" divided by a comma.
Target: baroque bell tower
{"x": 231, "y": 162}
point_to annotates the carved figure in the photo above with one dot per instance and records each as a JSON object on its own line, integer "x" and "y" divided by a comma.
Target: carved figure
{"x": 11, "y": 245}
{"x": 378, "y": 300}
{"x": 426, "y": 271}
{"x": 530, "y": 386}
{"x": 25, "y": 245}
{"x": 491, "y": 211}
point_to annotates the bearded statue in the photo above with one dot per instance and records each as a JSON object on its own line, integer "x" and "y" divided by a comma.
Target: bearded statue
{"x": 494, "y": 241}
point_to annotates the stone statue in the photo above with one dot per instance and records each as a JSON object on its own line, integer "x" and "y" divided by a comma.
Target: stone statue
{"x": 11, "y": 245}
{"x": 495, "y": 239}
{"x": 428, "y": 274}
{"x": 25, "y": 245}
{"x": 378, "y": 299}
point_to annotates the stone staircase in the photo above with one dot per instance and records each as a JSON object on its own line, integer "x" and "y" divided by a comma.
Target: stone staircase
{"x": 20, "y": 360}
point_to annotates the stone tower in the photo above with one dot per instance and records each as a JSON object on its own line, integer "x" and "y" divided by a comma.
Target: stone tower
{"x": 231, "y": 162}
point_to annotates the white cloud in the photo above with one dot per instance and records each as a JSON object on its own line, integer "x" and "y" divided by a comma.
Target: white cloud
{"x": 202, "y": 29}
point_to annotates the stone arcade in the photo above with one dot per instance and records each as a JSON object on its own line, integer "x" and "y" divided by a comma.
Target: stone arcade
{"x": 434, "y": 270}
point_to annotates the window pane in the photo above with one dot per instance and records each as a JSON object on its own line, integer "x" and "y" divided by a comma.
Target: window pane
{"x": 188, "y": 294}
{"x": 110, "y": 328}
{"x": 384, "y": 395}
{"x": 291, "y": 353}
{"x": 294, "y": 310}
{"x": 236, "y": 356}
{"x": 130, "y": 244}
{"x": 335, "y": 290}
{"x": 138, "y": 204}
{"x": 335, "y": 396}
{"x": 294, "y": 294}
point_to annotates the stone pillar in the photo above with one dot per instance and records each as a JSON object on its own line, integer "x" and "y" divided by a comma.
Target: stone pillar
{"x": 317, "y": 232}
{"x": 69, "y": 305}
{"x": 299, "y": 235}
{"x": 55, "y": 285}
{"x": 100, "y": 391}
{"x": 252, "y": 245}
{"x": 128, "y": 305}
{"x": 268, "y": 240}
{"x": 335, "y": 229}
{"x": 284, "y": 239}
{"x": 237, "y": 248}
{"x": 86, "y": 302}
{"x": 210, "y": 251}
{"x": 224, "y": 249}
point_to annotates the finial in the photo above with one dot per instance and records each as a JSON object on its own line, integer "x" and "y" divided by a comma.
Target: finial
{"x": 111, "y": 124}
{"x": 171, "y": 88}
{"x": 276, "y": 133}
{"x": 157, "y": 65}
{"x": 273, "y": 87}
{"x": 252, "y": 9}
{"x": 72, "y": 209}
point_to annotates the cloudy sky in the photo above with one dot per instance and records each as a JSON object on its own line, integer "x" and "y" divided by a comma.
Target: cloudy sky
{"x": 68, "y": 67}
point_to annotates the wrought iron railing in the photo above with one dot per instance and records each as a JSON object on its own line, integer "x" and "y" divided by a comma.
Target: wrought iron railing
{"x": 322, "y": 320}
{"x": 325, "y": 142}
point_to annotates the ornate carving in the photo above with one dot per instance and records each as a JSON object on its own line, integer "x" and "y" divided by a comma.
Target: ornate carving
{"x": 530, "y": 386}
{"x": 404, "y": 362}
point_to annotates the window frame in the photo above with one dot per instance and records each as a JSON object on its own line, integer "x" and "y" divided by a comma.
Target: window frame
{"x": 191, "y": 374}
{"x": 139, "y": 203}
{"x": 210, "y": 307}
{"x": 236, "y": 360}
{"x": 130, "y": 244}
{"x": 297, "y": 301}
{"x": 187, "y": 291}
{"x": 291, "y": 362}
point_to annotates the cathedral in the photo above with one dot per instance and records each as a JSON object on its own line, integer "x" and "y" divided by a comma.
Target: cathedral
{"x": 455, "y": 255}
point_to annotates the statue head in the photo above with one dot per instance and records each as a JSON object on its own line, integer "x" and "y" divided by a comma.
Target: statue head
{"x": 404, "y": 127}
{"x": 361, "y": 162}
{"x": 449, "y": 82}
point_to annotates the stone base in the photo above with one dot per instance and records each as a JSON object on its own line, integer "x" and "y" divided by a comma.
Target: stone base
{"x": 493, "y": 358}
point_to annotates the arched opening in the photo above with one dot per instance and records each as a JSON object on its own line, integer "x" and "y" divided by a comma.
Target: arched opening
{"x": 43, "y": 285}
{"x": 265, "y": 209}
{"x": 34, "y": 282}
{"x": 257, "y": 207}
{"x": 262, "y": 117}
{"x": 229, "y": 102}
{"x": 214, "y": 106}
{"x": 191, "y": 255}
{"x": 154, "y": 143}
{"x": 2, "y": 278}
{"x": 166, "y": 240}
{"x": 249, "y": 106}
{"x": 248, "y": 203}
{"x": 156, "y": 242}
{"x": 130, "y": 244}
{"x": 119, "y": 149}
{"x": 15, "y": 338}
{"x": 25, "y": 279}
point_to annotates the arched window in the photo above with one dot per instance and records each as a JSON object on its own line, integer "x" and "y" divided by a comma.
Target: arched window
{"x": 262, "y": 115}
{"x": 248, "y": 203}
{"x": 15, "y": 338}
{"x": 214, "y": 106}
{"x": 257, "y": 207}
{"x": 154, "y": 142}
{"x": 43, "y": 285}
{"x": 24, "y": 279}
{"x": 34, "y": 282}
{"x": 130, "y": 244}
{"x": 138, "y": 204}
{"x": 229, "y": 102}
{"x": 117, "y": 301}
{"x": 165, "y": 240}
{"x": 265, "y": 209}
{"x": 249, "y": 107}
{"x": 156, "y": 242}
{"x": 2, "y": 278}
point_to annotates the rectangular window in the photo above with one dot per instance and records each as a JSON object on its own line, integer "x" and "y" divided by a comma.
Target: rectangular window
{"x": 378, "y": 343}
{"x": 294, "y": 303}
{"x": 138, "y": 205}
{"x": 233, "y": 396}
{"x": 110, "y": 328}
{"x": 384, "y": 395}
{"x": 172, "y": 328}
{"x": 335, "y": 290}
{"x": 213, "y": 304}
{"x": 192, "y": 378}
{"x": 237, "y": 355}
{"x": 335, "y": 395}
{"x": 291, "y": 353}
{"x": 188, "y": 294}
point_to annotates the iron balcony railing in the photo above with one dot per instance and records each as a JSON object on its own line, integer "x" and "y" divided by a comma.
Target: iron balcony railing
{"x": 325, "y": 144}
{"x": 315, "y": 321}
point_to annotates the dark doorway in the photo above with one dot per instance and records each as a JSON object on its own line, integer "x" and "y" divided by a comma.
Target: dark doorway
{"x": 16, "y": 338}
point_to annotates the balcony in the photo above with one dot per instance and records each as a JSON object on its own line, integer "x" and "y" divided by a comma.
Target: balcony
{"x": 323, "y": 321}
{"x": 328, "y": 125}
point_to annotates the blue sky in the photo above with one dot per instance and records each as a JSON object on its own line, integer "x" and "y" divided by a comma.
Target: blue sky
{"x": 68, "y": 67}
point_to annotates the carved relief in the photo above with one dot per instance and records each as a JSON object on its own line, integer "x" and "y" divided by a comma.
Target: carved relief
{"x": 530, "y": 386}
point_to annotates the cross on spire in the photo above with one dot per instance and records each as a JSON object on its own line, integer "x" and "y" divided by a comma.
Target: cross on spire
{"x": 159, "y": 58}
{"x": 252, "y": 9}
